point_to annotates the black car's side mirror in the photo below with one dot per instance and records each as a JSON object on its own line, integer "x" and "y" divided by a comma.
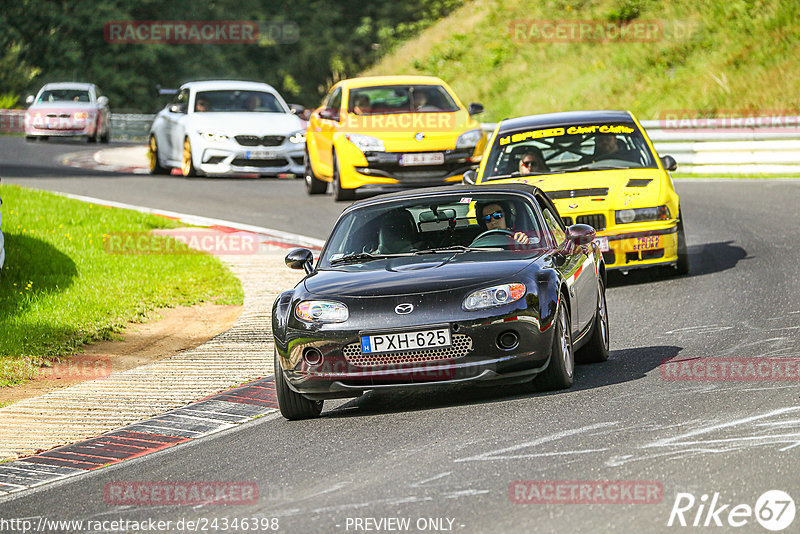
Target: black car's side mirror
{"x": 580, "y": 235}
{"x": 300, "y": 258}
{"x": 669, "y": 163}
{"x": 470, "y": 177}
{"x": 475, "y": 108}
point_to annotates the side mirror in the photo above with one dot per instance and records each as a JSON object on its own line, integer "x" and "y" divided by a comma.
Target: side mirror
{"x": 669, "y": 163}
{"x": 297, "y": 109}
{"x": 580, "y": 235}
{"x": 475, "y": 109}
{"x": 470, "y": 177}
{"x": 300, "y": 258}
{"x": 177, "y": 108}
{"x": 29, "y": 99}
{"x": 102, "y": 101}
{"x": 329, "y": 114}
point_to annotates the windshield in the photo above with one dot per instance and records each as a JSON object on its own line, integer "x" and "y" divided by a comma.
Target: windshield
{"x": 432, "y": 225}
{"x": 64, "y": 95}
{"x": 232, "y": 100}
{"x": 387, "y": 99}
{"x": 568, "y": 149}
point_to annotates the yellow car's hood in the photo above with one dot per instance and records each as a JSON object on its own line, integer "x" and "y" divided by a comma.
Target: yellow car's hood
{"x": 433, "y": 131}
{"x": 579, "y": 193}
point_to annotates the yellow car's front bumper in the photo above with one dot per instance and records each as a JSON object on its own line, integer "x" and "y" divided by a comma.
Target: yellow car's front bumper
{"x": 639, "y": 245}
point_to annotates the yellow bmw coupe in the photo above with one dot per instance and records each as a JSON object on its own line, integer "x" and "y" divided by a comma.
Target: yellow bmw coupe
{"x": 385, "y": 133}
{"x": 600, "y": 169}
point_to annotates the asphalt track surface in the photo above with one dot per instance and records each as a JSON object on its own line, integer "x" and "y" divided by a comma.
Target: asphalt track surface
{"x": 454, "y": 453}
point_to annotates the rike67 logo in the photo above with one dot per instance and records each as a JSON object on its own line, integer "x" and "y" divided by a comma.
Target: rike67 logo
{"x": 774, "y": 510}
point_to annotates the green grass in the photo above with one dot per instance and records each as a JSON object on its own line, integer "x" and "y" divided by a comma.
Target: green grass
{"x": 60, "y": 288}
{"x": 713, "y": 57}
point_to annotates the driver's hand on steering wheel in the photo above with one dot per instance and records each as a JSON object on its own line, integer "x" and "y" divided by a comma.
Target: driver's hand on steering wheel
{"x": 520, "y": 237}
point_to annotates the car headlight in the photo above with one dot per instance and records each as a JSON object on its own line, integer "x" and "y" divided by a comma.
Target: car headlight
{"x": 659, "y": 213}
{"x": 298, "y": 137}
{"x": 321, "y": 311}
{"x": 81, "y": 115}
{"x": 214, "y": 137}
{"x": 366, "y": 143}
{"x": 469, "y": 139}
{"x": 494, "y": 296}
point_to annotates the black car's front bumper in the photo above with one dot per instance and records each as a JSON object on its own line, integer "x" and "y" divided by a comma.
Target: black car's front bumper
{"x": 339, "y": 375}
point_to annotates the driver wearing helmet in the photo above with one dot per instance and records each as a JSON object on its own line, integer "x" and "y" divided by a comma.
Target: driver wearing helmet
{"x": 495, "y": 216}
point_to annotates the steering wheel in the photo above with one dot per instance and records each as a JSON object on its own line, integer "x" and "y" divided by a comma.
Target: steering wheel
{"x": 494, "y": 231}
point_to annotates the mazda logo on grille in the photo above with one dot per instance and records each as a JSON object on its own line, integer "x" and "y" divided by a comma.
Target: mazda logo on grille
{"x": 404, "y": 309}
{"x": 419, "y": 136}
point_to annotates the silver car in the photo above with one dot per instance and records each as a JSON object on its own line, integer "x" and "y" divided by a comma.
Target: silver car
{"x": 68, "y": 109}
{"x": 227, "y": 127}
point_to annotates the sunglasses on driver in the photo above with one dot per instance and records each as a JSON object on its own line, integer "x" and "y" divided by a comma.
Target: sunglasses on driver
{"x": 496, "y": 215}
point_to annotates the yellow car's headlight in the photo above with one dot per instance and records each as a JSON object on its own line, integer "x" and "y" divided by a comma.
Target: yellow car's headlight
{"x": 659, "y": 213}
{"x": 366, "y": 143}
{"x": 469, "y": 139}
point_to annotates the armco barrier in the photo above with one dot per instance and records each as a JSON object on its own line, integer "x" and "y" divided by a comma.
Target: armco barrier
{"x": 771, "y": 147}
{"x": 124, "y": 126}
{"x": 726, "y": 147}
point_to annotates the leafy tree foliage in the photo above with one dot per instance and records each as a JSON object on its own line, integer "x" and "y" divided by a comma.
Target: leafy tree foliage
{"x": 63, "y": 40}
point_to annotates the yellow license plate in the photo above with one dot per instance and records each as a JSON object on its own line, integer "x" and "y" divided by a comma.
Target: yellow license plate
{"x": 645, "y": 243}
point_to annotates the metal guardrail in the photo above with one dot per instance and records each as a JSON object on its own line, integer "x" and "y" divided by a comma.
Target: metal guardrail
{"x": 751, "y": 145}
{"x": 124, "y": 126}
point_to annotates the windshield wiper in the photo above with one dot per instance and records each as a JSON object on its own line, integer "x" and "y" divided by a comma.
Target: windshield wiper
{"x": 598, "y": 168}
{"x": 359, "y": 257}
{"x": 456, "y": 248}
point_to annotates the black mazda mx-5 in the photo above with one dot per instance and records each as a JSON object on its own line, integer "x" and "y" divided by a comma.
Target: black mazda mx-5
{"x": 440, "y": 286}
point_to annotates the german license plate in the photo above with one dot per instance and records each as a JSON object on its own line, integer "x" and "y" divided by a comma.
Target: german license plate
{"x": 399, "y": 341}
{"x": 428, "y": 158}
{"x": 259, "y": 154}
{"x": 603, "y": 243}
{"x": 647, "y": 242}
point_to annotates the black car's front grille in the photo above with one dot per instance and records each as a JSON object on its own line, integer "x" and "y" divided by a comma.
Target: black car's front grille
{"x": 254, "y": 140}
{"x": 596, "y": 221}
{"x": 462, "y": 345}
{"x": 577, "y": 193}
{"x": 244, "y": 162}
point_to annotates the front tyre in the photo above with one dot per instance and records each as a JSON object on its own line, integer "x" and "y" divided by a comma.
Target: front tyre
{"x": 314, "y": 186}
{"x": 187, "y": 162}
{"x": 682, "y": 267}
{"x": 596, "y": 349}
{"x": 293, "y": 406}
{"x": 152, "y": 156}
{"x": 338, "y": 192}
{"x": 559, "y": 372}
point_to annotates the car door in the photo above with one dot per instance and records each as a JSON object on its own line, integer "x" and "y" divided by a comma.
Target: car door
{"x": 326, "y": 125}
{"x": 579, "y": 269}
{"x": 173, "y": 127}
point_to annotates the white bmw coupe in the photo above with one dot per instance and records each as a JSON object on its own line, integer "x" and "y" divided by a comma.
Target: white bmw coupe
{"x": 227, "y": 127}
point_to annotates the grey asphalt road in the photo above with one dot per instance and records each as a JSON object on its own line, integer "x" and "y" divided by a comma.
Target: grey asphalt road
{"x": 452, "y": 458}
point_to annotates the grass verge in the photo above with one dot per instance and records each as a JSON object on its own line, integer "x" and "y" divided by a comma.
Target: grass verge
{"x": 60, "y": 288}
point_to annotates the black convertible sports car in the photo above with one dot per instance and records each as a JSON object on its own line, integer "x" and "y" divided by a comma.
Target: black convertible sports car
{"x": 440, "y": 286}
